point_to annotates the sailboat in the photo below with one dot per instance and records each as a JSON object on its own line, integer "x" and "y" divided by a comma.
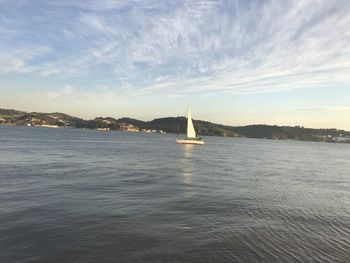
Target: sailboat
{"x": 191, "y": 133}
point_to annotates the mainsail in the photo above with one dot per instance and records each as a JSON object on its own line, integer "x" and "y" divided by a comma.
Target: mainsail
{"x": 191, "y": 133}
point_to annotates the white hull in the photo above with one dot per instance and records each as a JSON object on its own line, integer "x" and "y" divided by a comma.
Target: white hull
{"x": 189, "y": 142}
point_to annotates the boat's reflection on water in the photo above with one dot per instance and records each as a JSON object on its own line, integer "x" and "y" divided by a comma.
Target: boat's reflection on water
{"x": 186, "y": 163}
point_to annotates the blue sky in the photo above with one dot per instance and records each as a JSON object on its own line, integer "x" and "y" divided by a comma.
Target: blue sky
{"x": 236, "y": 62}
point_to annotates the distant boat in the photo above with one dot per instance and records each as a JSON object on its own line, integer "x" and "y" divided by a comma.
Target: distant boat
{"x": 191, "y": 133}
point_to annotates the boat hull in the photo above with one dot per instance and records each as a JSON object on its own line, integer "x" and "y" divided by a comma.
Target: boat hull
{"x": 189, "y": 141}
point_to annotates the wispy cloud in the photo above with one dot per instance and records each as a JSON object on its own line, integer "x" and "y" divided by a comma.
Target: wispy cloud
{"x": 68, "y": 92}
{"x": 326, "y": 109}
{"x": 181, "y": 47}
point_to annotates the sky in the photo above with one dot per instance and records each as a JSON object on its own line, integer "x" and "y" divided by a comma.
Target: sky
{"x": 235, "y": 62}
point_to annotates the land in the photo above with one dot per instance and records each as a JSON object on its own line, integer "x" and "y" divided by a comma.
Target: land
{"x": 172, "y": 125}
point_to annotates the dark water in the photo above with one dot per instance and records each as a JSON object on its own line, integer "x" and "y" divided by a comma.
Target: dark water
{"x": 87, "y": 196}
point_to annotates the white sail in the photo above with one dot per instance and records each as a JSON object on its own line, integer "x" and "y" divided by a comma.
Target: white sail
{"x": 191, "y": 133}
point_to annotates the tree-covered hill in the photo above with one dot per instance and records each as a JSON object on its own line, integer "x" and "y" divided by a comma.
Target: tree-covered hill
{"x": 173, "y": 125}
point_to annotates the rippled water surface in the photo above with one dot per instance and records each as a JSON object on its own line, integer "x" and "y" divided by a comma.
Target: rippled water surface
{"x": 70, "y": 195}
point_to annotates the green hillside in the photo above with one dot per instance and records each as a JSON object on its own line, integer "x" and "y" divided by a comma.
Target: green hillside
{"x": 174, "y": 125}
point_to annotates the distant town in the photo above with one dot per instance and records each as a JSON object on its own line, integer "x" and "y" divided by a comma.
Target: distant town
{"x": 172, "y": 125}
{"x": 129, "y": 128}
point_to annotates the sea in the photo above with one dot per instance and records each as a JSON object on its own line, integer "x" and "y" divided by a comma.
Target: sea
{"x": 75, "y": 195}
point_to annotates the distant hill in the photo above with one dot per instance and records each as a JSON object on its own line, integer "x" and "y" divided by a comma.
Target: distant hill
{"x": 173, "y": 125}
{"x": 9, "y": 112}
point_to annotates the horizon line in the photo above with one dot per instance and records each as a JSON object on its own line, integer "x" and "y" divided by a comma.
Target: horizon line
{"x": 118, "y": 118}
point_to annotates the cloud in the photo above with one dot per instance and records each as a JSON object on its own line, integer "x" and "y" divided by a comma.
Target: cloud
{"x": 9, "y": 63}
{"x": 94, "y": 5}
{"x": 183, "y": 47}
{"x": 19, "y": 59}
{"x": 338, "y": 109}
{"x": 71, "y": 93}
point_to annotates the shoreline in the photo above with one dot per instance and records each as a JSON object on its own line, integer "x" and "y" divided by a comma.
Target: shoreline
{"x": 143, "y": 132}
